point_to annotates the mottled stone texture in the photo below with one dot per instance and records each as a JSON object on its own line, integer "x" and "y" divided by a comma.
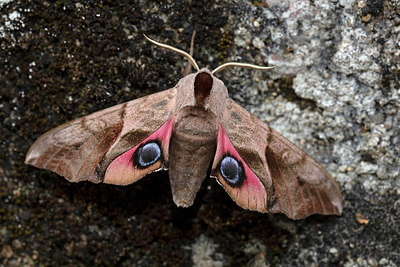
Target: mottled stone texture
{"x": 335, "y": 92}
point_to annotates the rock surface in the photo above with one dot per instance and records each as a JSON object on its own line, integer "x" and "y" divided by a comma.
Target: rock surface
{"x": 335, "y": 92}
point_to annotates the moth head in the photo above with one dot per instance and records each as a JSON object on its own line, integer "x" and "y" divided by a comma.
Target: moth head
{"x": 208, "y": 92}
{"x": 203, "y": 83}
{"x": 201, "y": 91}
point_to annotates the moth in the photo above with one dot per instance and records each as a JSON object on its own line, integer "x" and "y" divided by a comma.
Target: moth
{"x": 191, "y": 130}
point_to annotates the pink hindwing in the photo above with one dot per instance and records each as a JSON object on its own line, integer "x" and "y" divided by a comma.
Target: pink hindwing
{"x": 148, "y": 156}
{"x": 238, "y": 180}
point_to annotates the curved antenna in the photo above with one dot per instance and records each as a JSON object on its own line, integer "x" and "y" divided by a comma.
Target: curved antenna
{"x": 181, "y": 52}
{"x": 243, "y": 65}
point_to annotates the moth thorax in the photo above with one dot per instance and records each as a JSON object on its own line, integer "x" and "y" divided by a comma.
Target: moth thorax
{"x": 202, "y": 87}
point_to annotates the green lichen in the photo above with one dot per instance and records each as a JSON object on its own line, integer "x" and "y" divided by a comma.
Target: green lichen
{"x": 223, "y": 45}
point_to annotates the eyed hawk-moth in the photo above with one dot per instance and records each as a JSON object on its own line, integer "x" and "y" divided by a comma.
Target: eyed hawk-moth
{"x": 189, "y": 130}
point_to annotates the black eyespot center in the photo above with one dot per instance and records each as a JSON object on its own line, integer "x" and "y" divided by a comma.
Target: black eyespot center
{"x": 232, "y": 171}
{"x": 147, "y": 154}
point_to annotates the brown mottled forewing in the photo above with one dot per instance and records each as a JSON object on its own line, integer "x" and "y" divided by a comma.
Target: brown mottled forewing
{"x": 296, "y": 184}
{"x": 82, "y": 149}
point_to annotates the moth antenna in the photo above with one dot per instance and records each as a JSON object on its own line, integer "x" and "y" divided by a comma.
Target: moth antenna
{"x": 188, "y": 68}
{"x": 192, "y": 43}
{"x": 243, "y": 65}
{"x": 181, "y": 52}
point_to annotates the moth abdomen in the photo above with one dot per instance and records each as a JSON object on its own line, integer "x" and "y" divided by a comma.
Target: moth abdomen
{"x": 192, "y": 147}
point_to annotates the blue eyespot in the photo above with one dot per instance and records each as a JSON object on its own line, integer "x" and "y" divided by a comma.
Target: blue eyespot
{"x": 232, "y": 171}
{"x": 147, "y": 154}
